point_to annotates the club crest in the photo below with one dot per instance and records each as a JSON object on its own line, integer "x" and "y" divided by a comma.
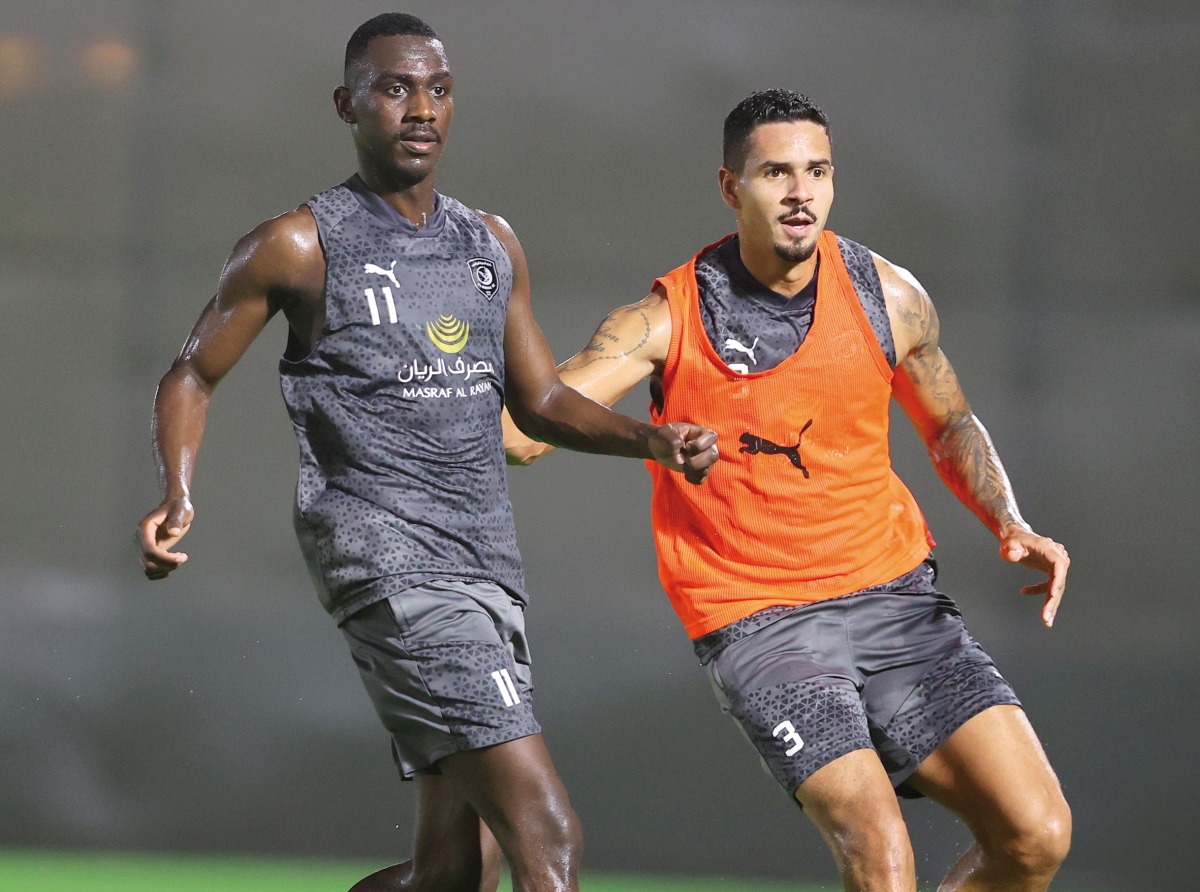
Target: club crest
{"x": 483, "y": 273}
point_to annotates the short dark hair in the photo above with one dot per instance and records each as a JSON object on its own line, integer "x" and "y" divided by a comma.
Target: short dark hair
{"x": 764, "y": 107}
{"x": 388, "y": 24}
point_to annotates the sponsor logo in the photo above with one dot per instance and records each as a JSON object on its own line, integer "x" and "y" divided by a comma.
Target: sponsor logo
{"x": 754, "y": 444}
{"x": 508, "y": 690}
{"x": 732, "y": 344}
{"x": 416, "y": 372}
{"x": 389, "y": 273}
{"x": 448, "y": 334}
{"x": 442, "y": 378}
{"x": 483, "y": 274}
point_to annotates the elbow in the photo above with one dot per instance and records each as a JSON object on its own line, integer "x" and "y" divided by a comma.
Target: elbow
{"x": 524, "y": 454}
{"x": 521, "y": 448}
{"x": 184, "y": 377}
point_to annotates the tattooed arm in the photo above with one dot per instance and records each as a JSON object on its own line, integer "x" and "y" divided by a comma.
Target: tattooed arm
{"x": 629, "y": 346}
{"x": 962, "y": 452}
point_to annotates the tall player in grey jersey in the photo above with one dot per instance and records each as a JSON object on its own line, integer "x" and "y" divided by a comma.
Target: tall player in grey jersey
{"x": 409, "y": 325}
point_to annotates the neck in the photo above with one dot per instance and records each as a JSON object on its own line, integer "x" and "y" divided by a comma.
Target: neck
{"x": 414, "y": 200}
{"x": 782, "y": 276}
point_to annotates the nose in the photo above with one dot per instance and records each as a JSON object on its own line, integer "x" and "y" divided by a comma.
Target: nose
{"x": 421, "y": 106}
{"x": 799, "y": 191}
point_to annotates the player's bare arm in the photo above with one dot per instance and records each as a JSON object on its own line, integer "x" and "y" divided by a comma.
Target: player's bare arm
{"x": 277, "y": 266}
{"x": 629, "y": 345}
{"x": 553, "y": 412}
{"x": 927, "y": 388}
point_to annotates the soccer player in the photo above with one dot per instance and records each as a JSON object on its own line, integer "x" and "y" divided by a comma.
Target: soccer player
{"x": 409, "y": 322}
{"x": 802, "y": 570}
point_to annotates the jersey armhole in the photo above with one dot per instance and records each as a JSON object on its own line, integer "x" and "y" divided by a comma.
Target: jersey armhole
{"x": 671, "y": 362}
{"x": 860, "y": 264}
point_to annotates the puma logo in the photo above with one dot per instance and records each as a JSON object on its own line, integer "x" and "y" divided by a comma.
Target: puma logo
{"x": 731, "y": 344}
{"x": 380, "y": 271}
{"x": 755, "y": 444}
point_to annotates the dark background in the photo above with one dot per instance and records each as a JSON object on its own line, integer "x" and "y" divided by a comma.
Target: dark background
{"x": 1033, "y": 163}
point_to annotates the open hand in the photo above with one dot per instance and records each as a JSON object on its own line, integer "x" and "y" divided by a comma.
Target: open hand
{"x": 1021, "y": 545}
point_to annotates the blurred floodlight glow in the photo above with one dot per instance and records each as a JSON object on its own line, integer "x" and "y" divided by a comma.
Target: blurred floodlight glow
{"x": 19, "y": 58}
{"x": 109, "y": 64}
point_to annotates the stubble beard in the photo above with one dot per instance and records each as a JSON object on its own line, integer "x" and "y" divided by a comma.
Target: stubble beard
{"x": 797, "y": 251}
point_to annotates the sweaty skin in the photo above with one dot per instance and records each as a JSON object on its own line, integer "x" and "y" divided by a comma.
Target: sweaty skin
{"x": 781, "y": 199}
{"x": 398, "y": 103}
{"x": 991, "y": 771}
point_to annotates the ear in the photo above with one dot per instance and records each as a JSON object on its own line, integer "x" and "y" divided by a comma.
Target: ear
{"x": 728, "y": 181}
{"x": 341, "y": 101}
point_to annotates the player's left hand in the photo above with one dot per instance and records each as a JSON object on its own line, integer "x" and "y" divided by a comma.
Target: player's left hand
{"x": 1021, "y": 545}
{"x": 687, "y": 448}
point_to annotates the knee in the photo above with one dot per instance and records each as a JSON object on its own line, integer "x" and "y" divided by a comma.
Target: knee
{"x": 868, "y": 841}
{"x": 878, "y": 847}
{"x": 561, "y": 830}
{"x": 1040, "y": 838}
{"x": 547, "y": 831}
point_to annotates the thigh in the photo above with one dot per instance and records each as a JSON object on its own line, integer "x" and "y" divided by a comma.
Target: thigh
{"x": 515, "y": 788}
{"x": 504, "y": 782}
{"x": 993, "y": 772}
{"x": 793, "y": 696}
{"x": 950, "y": 690}
{"x": 849, "y": 796}
{"x": 853, "y": 784}
{"x": 441, "y": 668}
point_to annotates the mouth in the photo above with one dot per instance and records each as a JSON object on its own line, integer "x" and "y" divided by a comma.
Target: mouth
{"x": 798, "y": 224}
{"x": 419, "y": 142}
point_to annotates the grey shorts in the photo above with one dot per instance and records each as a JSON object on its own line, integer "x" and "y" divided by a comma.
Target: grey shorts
{"x": 894, "y": 672}
{"x": 447, "y": 666}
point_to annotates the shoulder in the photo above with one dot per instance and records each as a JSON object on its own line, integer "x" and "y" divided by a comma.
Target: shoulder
{"x": 502, "y": 230}
{"x": 899, "y": 285}
{"x": 282, "y": 253}
{"x": 913, "y": 318}
{"x": 292, "y": 235}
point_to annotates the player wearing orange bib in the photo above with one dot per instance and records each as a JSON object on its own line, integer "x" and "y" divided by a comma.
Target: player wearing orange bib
{"x": 802, "y": 571}
{"x": 825, "y": 518}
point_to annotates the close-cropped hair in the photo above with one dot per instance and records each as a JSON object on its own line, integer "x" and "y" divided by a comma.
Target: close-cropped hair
{"x": 388, "y": 24}
{"x": 764, "y": 107}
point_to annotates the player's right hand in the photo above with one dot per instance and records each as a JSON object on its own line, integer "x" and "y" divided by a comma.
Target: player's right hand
{"x": 687, "y": 448}
{"x": 159, "y": 532}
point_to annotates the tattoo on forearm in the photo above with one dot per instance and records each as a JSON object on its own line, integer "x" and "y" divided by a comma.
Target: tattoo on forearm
{"x": 967, "y": 461}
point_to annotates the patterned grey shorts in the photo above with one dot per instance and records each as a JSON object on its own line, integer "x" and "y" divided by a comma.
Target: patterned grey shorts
{"x": 893, "y": 672}
{"x": 447, "y": 666}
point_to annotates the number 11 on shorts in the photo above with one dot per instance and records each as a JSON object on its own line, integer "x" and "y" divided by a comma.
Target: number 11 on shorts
{"x": 507, "y": 689}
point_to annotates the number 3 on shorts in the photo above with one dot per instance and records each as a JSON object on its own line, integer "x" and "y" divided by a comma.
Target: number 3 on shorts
{"x": 787, "y": 731}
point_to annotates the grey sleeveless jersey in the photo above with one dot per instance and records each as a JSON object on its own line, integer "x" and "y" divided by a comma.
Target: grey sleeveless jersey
{"x": 397, "y": 409}
{"x": 753, "y": 329}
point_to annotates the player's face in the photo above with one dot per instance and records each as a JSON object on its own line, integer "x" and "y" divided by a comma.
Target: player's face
{"x": 398, "y": 101}
{"x": 783, "y": 193}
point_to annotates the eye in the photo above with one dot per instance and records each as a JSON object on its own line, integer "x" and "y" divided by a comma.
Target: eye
{"x": 396, "y": 90}
{"x": 439, "y": 91}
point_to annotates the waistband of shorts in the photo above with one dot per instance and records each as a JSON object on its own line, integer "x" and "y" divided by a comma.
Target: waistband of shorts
{"x": 919, "y": 580}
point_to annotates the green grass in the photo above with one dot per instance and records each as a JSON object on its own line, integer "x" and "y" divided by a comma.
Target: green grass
{"x": 34, "y": 871}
